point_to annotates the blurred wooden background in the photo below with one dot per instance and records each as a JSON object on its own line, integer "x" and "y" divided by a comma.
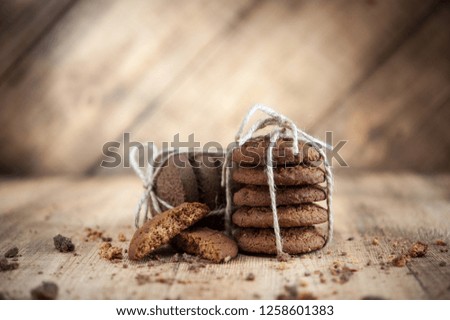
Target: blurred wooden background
{"x": 76, "y": 74}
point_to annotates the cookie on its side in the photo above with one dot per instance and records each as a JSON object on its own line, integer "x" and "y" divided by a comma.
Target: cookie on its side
{"x": 176, "y": 182}
{"x": 258, "y": 196}
{"x": 302, "y": 215}
{"x": 295, "y": 240}
{"x": 163, "y": 227}
{"x": 253, "y": 152}
{"x": 283, "y": 176}
{"x": 207, "y": 243}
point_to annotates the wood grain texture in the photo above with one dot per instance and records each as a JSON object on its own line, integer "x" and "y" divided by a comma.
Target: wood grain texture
{"x": 104, "y": 64}
{"x": 393, "y": 208}
{"x": 157, "y": 68}
{"x": 398, "y": 118}
{"x": 23, "y": 24}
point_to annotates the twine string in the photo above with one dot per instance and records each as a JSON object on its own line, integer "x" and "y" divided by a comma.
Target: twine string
{"x": 285, "y": 128}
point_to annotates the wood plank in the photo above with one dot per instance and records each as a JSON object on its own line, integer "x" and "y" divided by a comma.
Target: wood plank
{"x": 398, "y": 119}
{"x": 298, "y": 58}
{"x": 23, "y": 24}
{"x": 104, "y": 64}
{"x": 400, "y": 207}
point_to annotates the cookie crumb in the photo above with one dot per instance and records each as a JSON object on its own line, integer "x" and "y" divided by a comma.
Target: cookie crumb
{"x": 93, "y": 234}
{"x": 291, "y": 293}
{"x": 142, "y": 279}
{"x": 122, "y": 237}
{"x": 63, "y": 244}
{"x": 6, "y": 266}
{"x": 440, "y": 242}
{"x": 400, "y": 261}
{"x": 375, "y": 241}
{"x": 124, "y": 266}
{"x": 108, "y": 252}
{"x": 418, "y": 249}
{"x": 12, "y": 253}
{"x": 250, "y": 277}
{"x": 45, "y": 291}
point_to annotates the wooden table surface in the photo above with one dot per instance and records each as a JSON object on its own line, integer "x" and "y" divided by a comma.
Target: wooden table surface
{"x": 396, "y": 209}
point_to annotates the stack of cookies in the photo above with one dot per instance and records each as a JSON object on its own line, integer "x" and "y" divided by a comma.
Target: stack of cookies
{"x": 298, "y": 187}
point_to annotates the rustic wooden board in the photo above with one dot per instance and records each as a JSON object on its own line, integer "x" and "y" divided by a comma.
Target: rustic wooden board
{"x": 300, "y": 59}
{"x": 398, "y": 118}
{"x": 390, "y": 207}
{"x": 23, "y": 24}
{"x": 92, "y": 75}
{"x": 157, "y": 68}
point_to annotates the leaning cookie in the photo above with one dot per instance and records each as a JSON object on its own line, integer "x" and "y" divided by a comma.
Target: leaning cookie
{"x": 175, "y": 182}
{"x": 258, "y": 196}
{"x": 165, "y": 226}
{"x": 302, "y": 215}
{"x": 287, "y": 176}
{"x": 254, "y": 152}
{"x": 209, "y": 244}
{"x": 295, "y": 240}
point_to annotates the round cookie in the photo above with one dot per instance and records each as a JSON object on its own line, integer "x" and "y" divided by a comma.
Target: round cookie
{"x": 288, "y": 216}
{"x": 295, "y": 240}
{"x": 208, "y": 170}
{"x": 176, "y": 181}
{"x": 283, "y": 176}
{"x": 259, "y": 196}
{"x": 190, "y": 178}
{"x": 253, "y": 152}
{"x": 163, "y": 227}
{"x": 209, "y": 244}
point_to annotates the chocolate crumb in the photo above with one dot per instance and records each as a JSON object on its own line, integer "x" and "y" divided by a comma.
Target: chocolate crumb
{"x": 107, "y": 251}
{"x": 106, "y": 239}
{"x": 122, "y": 237}
{"x": 291, "y": 293}
{"x": 63, "y": 244}
{"x": 142, "y": 279}
{"x": 350, "y": 238}
{"x": 440, "y": 242}
{"x": 6, "y": 266}
{"x": 341, "y": 272}
{"x": 442, "y": 264}
{"x": 400, "y": 261}
{"x": 418, "y": 249}
{"x": 124, "y": 266}
{"x": 45, "y": 291}
{"x": 12, "y": 253}
{"x": 307, "y": 274}
{"x": 250, "y": 277}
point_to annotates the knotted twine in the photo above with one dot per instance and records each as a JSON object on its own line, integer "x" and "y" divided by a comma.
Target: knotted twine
{"x": 147, "y": 176}
{"x": 283, "y": 128}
